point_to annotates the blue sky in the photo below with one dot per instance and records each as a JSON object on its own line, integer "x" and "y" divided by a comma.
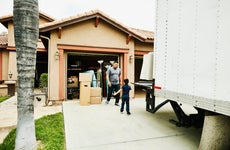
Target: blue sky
{"x": 133, "y": 13}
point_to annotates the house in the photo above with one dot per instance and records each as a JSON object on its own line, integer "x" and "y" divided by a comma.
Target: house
{"x": 75, "y": 44}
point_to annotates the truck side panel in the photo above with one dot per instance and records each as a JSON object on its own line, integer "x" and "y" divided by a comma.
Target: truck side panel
{"x": 192, "y": 49}
{"x": 223, "y": 61}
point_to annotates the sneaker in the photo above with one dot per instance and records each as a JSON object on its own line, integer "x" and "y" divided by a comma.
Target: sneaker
{"x": 116, "y": 104}
{"x": 107, "y": 102}
{"x": 128, "y": 113}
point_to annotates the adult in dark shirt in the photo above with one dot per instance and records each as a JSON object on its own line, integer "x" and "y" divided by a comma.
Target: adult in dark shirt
{"x": 113, "y": 76}
{"x": 125, "y": 96}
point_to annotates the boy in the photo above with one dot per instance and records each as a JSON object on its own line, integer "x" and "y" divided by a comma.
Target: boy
{"x": 125, "y": 96}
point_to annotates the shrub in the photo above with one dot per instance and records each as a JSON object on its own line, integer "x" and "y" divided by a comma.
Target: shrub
{"x": 43, "y": 80}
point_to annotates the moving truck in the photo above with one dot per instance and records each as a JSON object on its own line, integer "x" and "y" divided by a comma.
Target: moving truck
{"x": 191, "y": 65}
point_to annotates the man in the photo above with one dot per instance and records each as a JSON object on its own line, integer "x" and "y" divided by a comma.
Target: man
{"x": 113, "y": 76}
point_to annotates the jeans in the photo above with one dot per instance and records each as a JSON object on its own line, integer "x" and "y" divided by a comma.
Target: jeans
{"x": 125, "y": 101}
{"x": 111, "y": 90}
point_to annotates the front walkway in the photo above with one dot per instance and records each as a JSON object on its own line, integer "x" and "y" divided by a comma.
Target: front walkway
{"x": 8, "y": 114}
{"x": 102, "y": 127}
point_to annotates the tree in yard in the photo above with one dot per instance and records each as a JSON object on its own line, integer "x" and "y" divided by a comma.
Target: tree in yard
{"x": 26, "y": 30}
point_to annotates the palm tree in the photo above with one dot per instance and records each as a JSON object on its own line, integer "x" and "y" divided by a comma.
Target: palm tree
{"x": 26, "y": 29}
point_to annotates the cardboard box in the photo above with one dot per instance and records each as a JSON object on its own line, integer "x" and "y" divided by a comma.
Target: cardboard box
{"x": 85, "y": 84}
{"x": 75, "y": 82}
{"x": 84, "y": 99}
{"x": 84, "y": 93}
{"x": 95, "y": 91}
{"x": 95, "y": 99}
{"x": 85, "y": 76}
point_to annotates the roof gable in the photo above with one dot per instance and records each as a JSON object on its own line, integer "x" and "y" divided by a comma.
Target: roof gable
{"x": 142, "y": 35}
{"x": 5, "y": 19}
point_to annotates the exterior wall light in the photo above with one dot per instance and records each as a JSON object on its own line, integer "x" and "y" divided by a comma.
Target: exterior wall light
{"x": 10, "y": 75}
{"x": 130, "y": 58}
{"x": 57, "y": 55}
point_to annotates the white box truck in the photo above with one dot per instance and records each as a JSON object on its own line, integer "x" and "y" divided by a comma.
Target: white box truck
{"x": 192, "y": 65}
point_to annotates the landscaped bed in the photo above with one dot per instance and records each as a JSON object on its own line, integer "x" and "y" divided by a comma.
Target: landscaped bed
{"x": 3, "y": 98}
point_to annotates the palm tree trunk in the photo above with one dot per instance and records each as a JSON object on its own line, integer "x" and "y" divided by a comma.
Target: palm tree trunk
{"x": 26, "y": 29}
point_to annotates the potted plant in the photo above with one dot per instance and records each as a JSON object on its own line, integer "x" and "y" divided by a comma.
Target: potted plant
{"x": 43, "y": 82}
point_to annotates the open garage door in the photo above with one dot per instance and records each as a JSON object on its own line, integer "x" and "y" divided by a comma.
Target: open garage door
{"x": 90, "y": 62}
{"x": 138, "y": 65}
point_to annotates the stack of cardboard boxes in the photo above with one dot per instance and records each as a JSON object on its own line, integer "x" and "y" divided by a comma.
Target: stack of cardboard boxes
{"x": 88, "y": 95}
{"x": 95, "y": 95}
{"x": 74, "y": 83}
{"x": 72, "y": 87}
{"x": 85, "y": 81}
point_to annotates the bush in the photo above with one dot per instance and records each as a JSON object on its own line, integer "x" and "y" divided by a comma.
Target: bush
{"x": 43, "y": 80}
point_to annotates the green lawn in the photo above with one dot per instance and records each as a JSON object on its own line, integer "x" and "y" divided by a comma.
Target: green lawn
{"x": 49, "y": 133}
{"x": 3, "y": 98}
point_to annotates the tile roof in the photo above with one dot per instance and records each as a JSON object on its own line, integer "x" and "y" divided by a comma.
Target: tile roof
{"x": 142, "y": 35}
{"x": 6, "y": 18}
{"x": 46, "y": 16}
{"x": 3, "y": 40}
{"x": 10, "y": 17}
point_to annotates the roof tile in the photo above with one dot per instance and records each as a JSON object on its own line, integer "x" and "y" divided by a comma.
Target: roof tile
{"x": 3, "y": 40}
{"x": 144, "y": 33}
{"x": 10, "y": 17}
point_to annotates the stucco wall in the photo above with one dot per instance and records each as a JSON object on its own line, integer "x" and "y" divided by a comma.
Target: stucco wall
{"x": 5, "y": 65}
{"x": 11, "y": 31}
{"x": 87, "y": 34}
{"x": 42, "y": 20}
{"x": 13, "y": 65}
{"x": 10, "y": 34}
{"x": 53, "y": 71}
{"x": 140, "y": 46}
{"x": 131, "y": 68}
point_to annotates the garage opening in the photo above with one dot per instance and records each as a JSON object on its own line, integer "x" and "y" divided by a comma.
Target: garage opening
{"x": 138, "y": 65}
{"x": 94, "y": 63}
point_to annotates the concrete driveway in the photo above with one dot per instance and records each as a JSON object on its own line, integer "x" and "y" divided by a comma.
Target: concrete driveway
{"x": 103, "y": 127}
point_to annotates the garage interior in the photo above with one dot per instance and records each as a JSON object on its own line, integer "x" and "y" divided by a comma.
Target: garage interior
{"x": 88, "y": 62}
{"x": 138, "y": 65}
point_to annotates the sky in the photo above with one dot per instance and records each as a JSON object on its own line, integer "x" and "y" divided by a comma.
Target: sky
{"x": 133, "y": 13}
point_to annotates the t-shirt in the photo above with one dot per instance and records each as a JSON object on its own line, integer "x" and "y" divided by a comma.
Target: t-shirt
{"x": 125, "y": 91}
{"x": 114, "y": 75}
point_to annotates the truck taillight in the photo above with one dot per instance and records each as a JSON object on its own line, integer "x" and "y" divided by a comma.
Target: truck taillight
{"x": 157, "y": 87}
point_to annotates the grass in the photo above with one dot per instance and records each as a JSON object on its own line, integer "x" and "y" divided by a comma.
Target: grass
{"x": 3, "y": 98}
{"x": 49, "y": 133}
